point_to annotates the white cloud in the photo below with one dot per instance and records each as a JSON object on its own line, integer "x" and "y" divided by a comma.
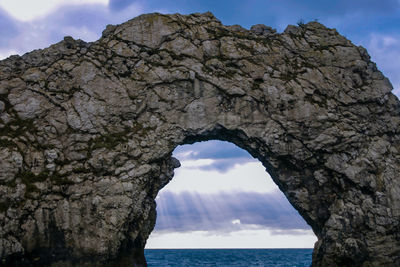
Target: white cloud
{"x": 236, "y": 221}
{"x": 27, "y": 10}
{"x": 248, "y": 177}
{"x": 83, "y": 33}
{"x": 4, "y": 53}
{"x": 188, "y": 164}
{"x": 239, "y": 239}
{"x": 186, "y": 154}
{"x": 85, "y": 21}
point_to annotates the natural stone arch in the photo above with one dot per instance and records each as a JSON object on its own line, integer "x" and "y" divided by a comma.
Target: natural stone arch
{"x": 87, "y": 131}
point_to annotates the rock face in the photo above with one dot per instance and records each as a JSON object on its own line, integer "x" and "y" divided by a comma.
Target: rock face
{"x": 87, "y": 131}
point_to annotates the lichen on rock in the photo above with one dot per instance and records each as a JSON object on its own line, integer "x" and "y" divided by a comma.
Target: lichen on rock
{"x": 87, "y": 132}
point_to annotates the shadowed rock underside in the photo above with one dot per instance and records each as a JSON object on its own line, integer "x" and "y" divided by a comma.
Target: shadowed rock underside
{"x": 87, "y": 131}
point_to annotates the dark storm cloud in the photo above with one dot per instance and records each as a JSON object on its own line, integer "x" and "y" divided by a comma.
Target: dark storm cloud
{"x": 220, "y": 212}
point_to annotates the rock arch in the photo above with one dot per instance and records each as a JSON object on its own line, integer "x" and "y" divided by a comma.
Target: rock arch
{"x": 87, "y": 131}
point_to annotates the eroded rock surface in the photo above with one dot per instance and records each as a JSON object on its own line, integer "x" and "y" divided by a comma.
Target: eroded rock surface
{"x": 87, "y": 131}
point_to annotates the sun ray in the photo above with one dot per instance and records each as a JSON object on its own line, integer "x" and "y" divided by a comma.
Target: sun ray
{"x": 236, "y": 205}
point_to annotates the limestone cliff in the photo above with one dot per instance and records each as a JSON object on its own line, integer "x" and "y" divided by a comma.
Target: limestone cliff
{"x": 87, "y": 131}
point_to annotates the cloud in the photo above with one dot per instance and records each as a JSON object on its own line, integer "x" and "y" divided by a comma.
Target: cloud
{"x": 221, "y": 155}
{"x": 85, "y": 21}
{"x": 28, "y": 10}
{"x": 213, "y": 149}
{"x": 8, "y": 28}
{"x": 239, "y": 239}
{"x": 248, "y": 177}
{"x": 384, "y": 49}
{"x": 227, "y": 212}
{"x": 225, "y": 165}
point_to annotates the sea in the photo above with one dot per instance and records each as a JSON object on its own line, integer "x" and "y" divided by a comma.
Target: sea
{"x": 228, "y": 257}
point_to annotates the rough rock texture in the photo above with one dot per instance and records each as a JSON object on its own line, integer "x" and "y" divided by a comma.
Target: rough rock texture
{"x": 87, "y": 131}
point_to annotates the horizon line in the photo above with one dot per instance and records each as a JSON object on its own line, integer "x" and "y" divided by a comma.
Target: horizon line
{"x": 228, "y": 248}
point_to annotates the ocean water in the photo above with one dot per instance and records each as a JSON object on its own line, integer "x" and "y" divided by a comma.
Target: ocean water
{"x": 228, "y": 257}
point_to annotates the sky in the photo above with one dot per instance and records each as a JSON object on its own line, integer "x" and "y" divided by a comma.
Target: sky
{"x": 220, "y": 197}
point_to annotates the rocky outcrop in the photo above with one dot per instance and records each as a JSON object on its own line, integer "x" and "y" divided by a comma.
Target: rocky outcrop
{"x": 87, "y": 131}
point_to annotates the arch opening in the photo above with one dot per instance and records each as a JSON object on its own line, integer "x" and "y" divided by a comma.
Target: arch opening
{"x": 222, "y": 197}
